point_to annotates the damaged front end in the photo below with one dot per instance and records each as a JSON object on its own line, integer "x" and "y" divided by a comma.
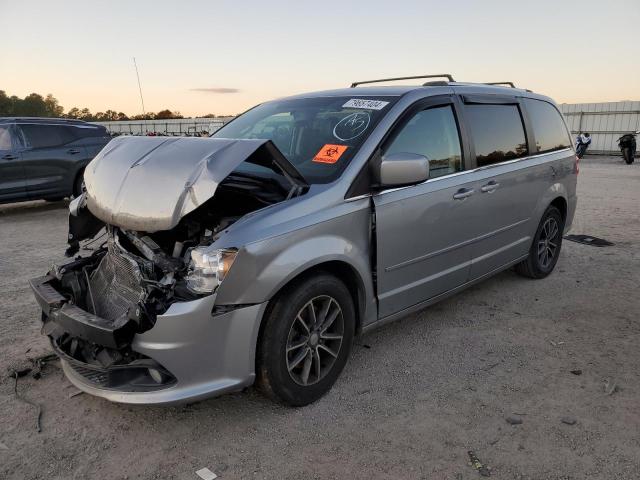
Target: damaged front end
{"x": 154, "y": 207}
{"x": 92, "y": 309}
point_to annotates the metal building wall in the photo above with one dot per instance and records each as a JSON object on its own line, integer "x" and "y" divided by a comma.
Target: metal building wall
{"x": 176, "y": 126}
{"x": 606, "y": 122}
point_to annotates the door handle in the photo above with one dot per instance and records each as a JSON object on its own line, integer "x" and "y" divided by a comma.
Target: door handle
{"x": 463, "y": 193}
{"x": 8, "y": 156}
{"x": 73, "y": 151}
{"x": 490, "y": 187}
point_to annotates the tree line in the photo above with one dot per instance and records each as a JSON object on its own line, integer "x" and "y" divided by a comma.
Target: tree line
{"x": 35, "y": 105}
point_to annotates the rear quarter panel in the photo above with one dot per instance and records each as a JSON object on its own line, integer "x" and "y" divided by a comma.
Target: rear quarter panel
{"x": 562, "y": 184}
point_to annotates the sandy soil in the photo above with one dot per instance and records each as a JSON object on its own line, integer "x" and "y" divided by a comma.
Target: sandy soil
{"x": 415, "y": 397}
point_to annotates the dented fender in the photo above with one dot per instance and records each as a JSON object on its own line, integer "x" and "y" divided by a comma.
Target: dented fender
{"x": 273, "y": 262}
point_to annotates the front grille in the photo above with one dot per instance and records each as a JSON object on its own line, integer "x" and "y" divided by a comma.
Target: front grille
{"x": 115, "y": 285}
{"x": 97, "y": 377}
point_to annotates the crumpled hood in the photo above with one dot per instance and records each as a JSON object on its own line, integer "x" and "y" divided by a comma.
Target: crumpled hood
{"x": 150, "y": 183}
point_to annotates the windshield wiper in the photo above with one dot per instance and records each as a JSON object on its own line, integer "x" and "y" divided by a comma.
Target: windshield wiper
{"x": 267, "y": 189}
{"x": 275, "y": 156}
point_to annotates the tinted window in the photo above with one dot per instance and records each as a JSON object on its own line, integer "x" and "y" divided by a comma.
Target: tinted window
{"x": 319, "y": 136}
{"x": 5, "y": 138}
{"x": 497, "y": 132}
{"x": 434, "y": 134}
{"x": 548, "y": 127}
{"x": 40, "y": 136}
{"x": 84, "y": 131}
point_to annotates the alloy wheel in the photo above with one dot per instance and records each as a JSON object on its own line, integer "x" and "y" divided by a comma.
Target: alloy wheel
{"x": 314, "y": 340}
{"x": 548, "y": 242}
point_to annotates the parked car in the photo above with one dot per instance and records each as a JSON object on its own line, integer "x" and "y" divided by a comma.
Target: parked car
{"x": 257, "y": 254}
{"x": 43, "y": 158}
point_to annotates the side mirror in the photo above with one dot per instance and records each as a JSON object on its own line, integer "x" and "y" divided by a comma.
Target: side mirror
{"x": 400, "y": 169}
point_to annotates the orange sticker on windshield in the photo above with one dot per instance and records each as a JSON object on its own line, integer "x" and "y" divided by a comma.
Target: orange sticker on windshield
{"x": 330, "y": 153}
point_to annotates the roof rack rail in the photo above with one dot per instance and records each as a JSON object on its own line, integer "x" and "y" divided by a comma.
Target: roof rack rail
{"x": 446, "y": 75}
{"x": 501, "y": 83}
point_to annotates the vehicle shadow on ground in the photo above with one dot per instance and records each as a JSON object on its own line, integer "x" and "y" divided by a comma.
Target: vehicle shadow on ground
{"x": 365, "y": 356}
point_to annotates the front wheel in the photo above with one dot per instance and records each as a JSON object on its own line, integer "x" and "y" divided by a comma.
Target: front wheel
{"x": 306, "y": 340}
{"x": 78, "y": 186}
{"x": 545, "y": 248}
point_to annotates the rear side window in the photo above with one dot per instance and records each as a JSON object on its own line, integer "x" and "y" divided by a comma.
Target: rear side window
{"x": 5, "y": 138}
{"x": 434, "y": 134}
{"x": 548, "y": 127}
{"x": 87, "y": 131}
{"x": 497, "y": 132}
{"x": 42, "y": 136}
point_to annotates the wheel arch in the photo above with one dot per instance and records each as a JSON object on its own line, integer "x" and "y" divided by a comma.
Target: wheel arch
{"x": 340, "y": 269}
{"x": 561, "y": 204}
{"x": 556, "y": 195}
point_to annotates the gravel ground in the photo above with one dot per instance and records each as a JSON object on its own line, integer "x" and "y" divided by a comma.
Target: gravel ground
{"x": 415, "y": 397}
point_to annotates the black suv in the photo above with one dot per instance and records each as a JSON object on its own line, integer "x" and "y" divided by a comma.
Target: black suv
{"x": 43, "y": 158}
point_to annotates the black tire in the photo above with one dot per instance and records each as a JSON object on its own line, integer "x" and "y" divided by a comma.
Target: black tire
{"x": 78, "y": 185}
{"x": 627, "y": 154}
{"x": 548, "y": 238}
{"x": 278, "y": 374}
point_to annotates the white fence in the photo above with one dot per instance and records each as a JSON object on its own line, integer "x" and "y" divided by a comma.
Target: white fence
{"x": 176, "y": 126}
{"x": 605, "y": 122}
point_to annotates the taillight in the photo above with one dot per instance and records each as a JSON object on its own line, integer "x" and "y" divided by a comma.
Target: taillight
{"x": 576, "y": 168}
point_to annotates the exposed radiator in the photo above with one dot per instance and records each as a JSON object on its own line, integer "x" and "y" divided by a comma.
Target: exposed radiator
{"x": 115, "y": 286}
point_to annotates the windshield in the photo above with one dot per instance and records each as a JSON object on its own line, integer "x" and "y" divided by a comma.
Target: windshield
{"x": 319, "y": 136}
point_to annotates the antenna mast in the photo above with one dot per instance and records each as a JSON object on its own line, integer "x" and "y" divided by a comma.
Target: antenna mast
{"x": 144, "y": 114}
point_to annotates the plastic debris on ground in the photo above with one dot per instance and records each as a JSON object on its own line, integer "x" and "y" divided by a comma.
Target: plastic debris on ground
{"x": 206, "y": 474}
{"x": 589, "y": 240}
{"x": 610, "y": 387}
{"x": 478, "y": 465}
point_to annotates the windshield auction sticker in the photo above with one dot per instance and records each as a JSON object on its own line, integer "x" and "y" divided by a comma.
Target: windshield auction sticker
{"x": 364, "y": 103}
{"x": 330, "y": 153}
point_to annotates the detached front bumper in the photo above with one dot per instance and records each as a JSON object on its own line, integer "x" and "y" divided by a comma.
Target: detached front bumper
{"x": 207, "y": 354}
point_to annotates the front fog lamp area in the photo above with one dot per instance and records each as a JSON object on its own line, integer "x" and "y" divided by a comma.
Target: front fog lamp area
{"x": 208, "y": 268}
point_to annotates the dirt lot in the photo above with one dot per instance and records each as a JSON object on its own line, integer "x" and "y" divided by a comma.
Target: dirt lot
{"x": 416, "y": 396}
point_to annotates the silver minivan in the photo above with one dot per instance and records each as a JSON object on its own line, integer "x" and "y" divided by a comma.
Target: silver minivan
{"x": 256, "y": 255}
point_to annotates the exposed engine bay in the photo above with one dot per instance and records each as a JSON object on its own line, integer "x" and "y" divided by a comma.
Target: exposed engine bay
{"x": 94, "y": 305}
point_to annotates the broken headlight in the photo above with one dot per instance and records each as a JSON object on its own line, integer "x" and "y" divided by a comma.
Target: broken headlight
{"x": 208, "y": 268}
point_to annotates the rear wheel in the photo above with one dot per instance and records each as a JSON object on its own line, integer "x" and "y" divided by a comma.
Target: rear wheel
{"x": 545, "y": 248}
{"x": 306, "y": 340}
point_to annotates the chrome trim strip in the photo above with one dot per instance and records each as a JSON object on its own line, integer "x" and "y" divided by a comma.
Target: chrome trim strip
{"x": 478, "y": 169}
{"x": 359, "y": 197}
{"x": 463, "y": 172}
{"x": 456, "y": 246}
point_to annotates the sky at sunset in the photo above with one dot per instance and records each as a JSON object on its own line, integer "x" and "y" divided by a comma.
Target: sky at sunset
{"x": 222, "y": 57}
